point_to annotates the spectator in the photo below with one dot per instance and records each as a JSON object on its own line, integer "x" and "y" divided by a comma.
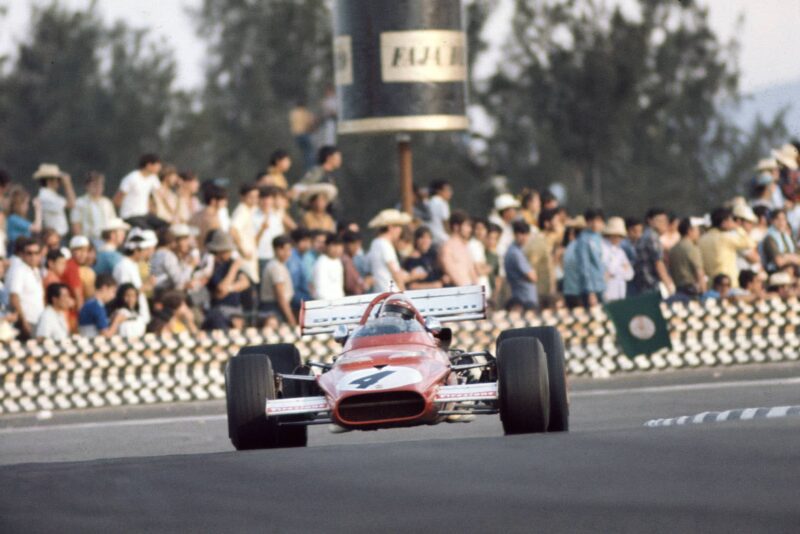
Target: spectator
{"x": 540, "y": 251}
{"x": 421, "y": 210}
{"x": 24, "y": 284}
{"x": 454, "y": 255}
{"x": 56, "y": 264}
{"x": 477, "y": 251}
{"x": 79, "y": 250}
{"x": 721, "y": 243}
{"x": 188, "y": 203}
{"x": 17, "y": 224}
{"x": 686, "y": 263}
{"x": 780, "y": 284}
{"x": 301, "y": 124}
{"x": 92, "y": 317}
{"x": 650, "y": 267}
{"x": 424, "y": 259}
{"x": 125, "y": 311}
{"x": 671, "y": 236}
{"x": 244, "y": 231}
{"x": 277, "y": 291}
{"x": 279, "y": 165}
{"x": 329, "y": 159}
{"x": 519, "y": 273}
{"x": 745, "y": 217}
{"x": 165, "y": 197}
{"x": 493, "y": 258}
{"x": 92, "y": 211}
{"x": 571, "y": 282}
{"x": 354, "y": 282}
{"x": 751, "y": 286}
{"x": 778, "y": 250}
{"x": 383, "y": 261}
{"x": 531, "y": 207}
{"x": 301, "y": 281}
{"x": 720, "y": 288}
{"x": 268, "y": 224}
{"x": 549, "y": 200}
{"x": 759, "y": 231}
{"x": 765, "y": 184}
{"x": 505, "y": 212}
{"x": 108, "y": 255}
{"x": 592, "y": 273}
{"x": 439, "y": 207}
{"x": 208, "y": 219}
{"x": 175, "y": 313}
{"x": 53, "y": 322}
{"x": 172, "y": 264}
{"x": 310, "y": 257}
{"x": 127, "y": 272}
{"x": 226, "y": 285}
{"x": 328, "y": 275}
{"x": 148, "y": 246}
{"x": 316, "y": 216}
{"x": 618, "y": 269}
{"x": 137, "y": 187}
{"x": 635, "y": 229}
{"x": 54, "y": 206}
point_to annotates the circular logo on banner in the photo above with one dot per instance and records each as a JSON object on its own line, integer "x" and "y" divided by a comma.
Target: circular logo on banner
{"x": 642, "y": 327}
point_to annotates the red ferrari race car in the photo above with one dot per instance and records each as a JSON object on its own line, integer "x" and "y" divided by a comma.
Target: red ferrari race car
{"x": 396, "y": 368}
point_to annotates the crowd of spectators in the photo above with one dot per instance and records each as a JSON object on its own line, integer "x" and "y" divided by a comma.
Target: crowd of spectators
{"x": 170, "y": 254}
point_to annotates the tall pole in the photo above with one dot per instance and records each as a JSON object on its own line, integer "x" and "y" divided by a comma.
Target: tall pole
{"x": 406, "y": 172}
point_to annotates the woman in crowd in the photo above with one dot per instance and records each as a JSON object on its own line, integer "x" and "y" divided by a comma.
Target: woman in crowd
{"x": 17, "y": 223}
{"x": 126, "y": 304}
{"x": 424, "y": 259}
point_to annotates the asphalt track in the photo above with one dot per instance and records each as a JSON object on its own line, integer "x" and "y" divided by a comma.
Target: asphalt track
{"x": 171, "y": 468}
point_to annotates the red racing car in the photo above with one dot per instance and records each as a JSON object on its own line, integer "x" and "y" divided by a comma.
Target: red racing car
{"x": 396, "y": 368}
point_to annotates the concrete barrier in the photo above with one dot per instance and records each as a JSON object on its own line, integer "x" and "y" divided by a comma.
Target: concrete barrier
{"x": 82, "y": 373}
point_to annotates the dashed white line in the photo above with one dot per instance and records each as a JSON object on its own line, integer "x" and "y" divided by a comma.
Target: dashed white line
{"x": 111, "y": 424}
{"x": 740, "y": 414}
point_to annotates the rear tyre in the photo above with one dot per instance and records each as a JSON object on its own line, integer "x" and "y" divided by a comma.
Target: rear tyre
{"x": 553, "y": 345}
{"x": 523, "y": 390}
{"x": 260, "y": 431}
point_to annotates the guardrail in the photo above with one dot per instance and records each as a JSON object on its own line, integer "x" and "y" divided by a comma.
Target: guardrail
{"x": 82, "y": 372}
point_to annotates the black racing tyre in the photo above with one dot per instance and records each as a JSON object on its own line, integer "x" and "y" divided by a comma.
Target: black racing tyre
{"x": 282, "y": 358}
{"x": 523, "y": 391}
{"x": 249, "y": 382}
{"x": 553, "y": 345}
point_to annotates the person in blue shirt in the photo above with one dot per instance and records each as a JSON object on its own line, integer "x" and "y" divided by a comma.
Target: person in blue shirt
{"x": 297, "y": 270}
{"x": 93, "y": 316}
{"x": 520, "y": 275}
{"x": 589, "y": 255}
{"x": 109, "y": 256}
{"x": 17, "y": 224}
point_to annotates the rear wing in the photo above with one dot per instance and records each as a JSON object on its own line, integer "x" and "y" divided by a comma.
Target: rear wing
{"x": 467, "y": 303}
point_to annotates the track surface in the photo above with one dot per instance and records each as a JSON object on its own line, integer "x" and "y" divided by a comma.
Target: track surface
{"x": 171, "y": 468}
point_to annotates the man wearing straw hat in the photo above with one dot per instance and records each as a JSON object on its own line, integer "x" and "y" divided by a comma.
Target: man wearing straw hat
{"x": 619, "y": 270}
{"x": 383, "y": 261}
{"x": 54, "y": 206}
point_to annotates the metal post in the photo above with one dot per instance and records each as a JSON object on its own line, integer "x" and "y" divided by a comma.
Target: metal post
{"x": 406, "y": 172}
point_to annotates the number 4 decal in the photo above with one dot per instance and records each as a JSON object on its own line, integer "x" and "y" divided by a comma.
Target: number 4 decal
{"x": 366, "y": 381}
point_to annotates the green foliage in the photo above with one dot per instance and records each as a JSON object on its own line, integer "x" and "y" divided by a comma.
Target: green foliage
{"x": 83, "y": 95}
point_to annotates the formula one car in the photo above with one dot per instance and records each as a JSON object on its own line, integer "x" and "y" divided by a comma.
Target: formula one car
{"x": 395, "y": 369}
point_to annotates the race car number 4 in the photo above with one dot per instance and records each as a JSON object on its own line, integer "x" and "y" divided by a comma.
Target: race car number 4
{"x": 388, "y": 377}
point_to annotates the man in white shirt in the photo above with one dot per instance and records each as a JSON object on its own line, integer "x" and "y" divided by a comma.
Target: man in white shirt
{"x": 53, "y": 321}
{"x": 133, "y": 197}
{"x": 382, "y": 257}
{"x": 243, "y": 230}
{"x": 328, "y": 278}
{"x": 439, "y": 207}
{"x": 127, "y": 270}
{"x": 268, "y": 224}
{"x": 54, "y": 206}
{"x": 24, "y": 285}
{"x": 92, "y": 211}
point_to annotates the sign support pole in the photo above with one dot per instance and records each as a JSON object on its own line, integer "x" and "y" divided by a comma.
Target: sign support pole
{"x": 405, "y": 160}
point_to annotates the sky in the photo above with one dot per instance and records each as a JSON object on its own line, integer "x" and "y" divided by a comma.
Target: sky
{"x": 769, "y": 38}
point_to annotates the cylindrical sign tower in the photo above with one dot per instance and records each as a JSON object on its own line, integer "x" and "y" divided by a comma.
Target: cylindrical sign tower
{"x": 400, "y": 65}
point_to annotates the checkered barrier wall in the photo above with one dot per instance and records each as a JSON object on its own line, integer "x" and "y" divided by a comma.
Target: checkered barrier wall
{"x": 82, "y": 373}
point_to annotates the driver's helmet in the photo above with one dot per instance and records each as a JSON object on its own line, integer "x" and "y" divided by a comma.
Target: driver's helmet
{"x": 398, "y": 306}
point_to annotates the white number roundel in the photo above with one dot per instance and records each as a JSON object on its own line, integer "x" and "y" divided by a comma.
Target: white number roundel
{"x": 371, "y": 379}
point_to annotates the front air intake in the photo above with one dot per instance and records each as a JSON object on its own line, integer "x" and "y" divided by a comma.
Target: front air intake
{"x": 381, "y": 406}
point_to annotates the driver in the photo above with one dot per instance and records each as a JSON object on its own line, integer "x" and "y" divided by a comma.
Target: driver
{"x": 398, "y": 306}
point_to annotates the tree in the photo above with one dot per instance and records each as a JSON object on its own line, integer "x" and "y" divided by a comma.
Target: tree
{"x": 627, "y": 110}
{"x": 82, "y": 95}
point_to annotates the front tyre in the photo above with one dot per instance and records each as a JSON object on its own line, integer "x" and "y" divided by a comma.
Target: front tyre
{"x": 249, "y": 382}
{"x": 523, "y": 386}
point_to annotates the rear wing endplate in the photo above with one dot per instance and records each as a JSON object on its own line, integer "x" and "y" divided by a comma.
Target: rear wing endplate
{"x": 450, "y": 304}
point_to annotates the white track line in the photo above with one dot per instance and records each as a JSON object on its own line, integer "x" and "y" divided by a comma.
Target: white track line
{"x": 739, "y": 414}
{"x": 111, "y": 424}
{"x": 689, "y": 387}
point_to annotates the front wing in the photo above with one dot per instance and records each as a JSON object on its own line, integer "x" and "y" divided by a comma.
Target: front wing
{"x": 484, "y": 391}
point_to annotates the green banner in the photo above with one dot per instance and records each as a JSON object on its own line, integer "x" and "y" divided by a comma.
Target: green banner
{"x": 641, "y": 327}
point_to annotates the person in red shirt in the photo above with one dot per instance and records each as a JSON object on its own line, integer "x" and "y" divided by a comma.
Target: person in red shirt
{"x": 56, "y": 263}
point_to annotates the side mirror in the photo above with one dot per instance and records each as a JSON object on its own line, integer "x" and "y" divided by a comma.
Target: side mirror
{"x": 340, "y": 334}
{"x": 433, "y": 325}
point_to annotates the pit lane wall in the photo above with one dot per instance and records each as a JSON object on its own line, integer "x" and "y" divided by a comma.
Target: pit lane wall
{"x": 80, "y": 373}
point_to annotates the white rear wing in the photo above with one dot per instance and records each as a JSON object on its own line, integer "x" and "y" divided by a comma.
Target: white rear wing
{"x": 467, "y": 303}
